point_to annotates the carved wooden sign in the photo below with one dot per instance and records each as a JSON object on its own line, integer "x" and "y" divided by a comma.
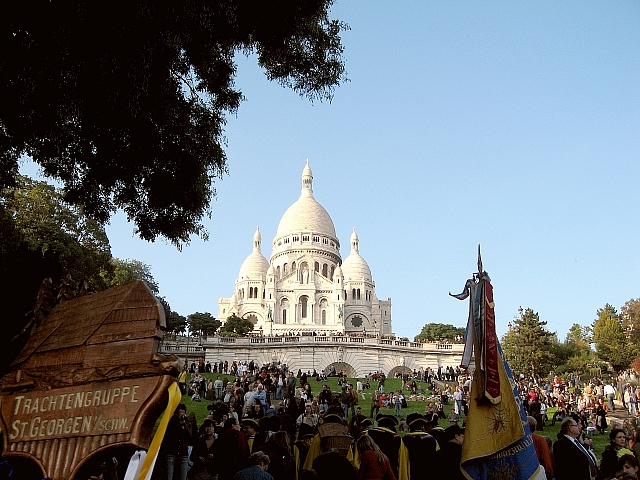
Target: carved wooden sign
{"x": 88, "y": 378}
{"x": 94, "y": 409}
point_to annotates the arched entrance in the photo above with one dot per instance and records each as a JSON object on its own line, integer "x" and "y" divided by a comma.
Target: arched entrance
{"x": 333, "y": 369}
{"x": 399, "y": 370}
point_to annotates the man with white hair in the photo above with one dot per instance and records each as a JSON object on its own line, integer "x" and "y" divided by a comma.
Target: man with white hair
{"x": 260, "y": 397}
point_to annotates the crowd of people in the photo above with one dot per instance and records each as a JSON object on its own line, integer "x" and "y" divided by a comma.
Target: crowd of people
{"x": 582, "y": 407}
{"x": 269, "y": 423}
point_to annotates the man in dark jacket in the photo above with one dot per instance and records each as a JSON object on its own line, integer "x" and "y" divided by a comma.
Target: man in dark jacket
{"x": 176, "y": 445}
{"x": 571, "y": 459}
{"x": 421, "y": 448}
{"x": 450, "y": 453}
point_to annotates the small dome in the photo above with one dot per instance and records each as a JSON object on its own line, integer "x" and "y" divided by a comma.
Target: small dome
{"x": 354, "y": 266}
{"x": 255, "y": 265}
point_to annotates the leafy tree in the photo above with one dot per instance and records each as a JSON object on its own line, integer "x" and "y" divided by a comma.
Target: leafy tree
{"x": 611, "y": 339}
{"x": 575, "y": 354}
{"x": 126, "y": 105}
{"x": 528, "y": 345}
{"x": 46, "y": 224}
{"x": 438, "y": 332}
{"x": 42, "y": 237}
{"x": 236, "y": 327}
{"x": 636, "y": 365}
{"x": 630, "y": 313}
{"x": 203, "y": 324}
{"x": 176, "y": 323}
{"x": 578, "y": 364}
{"x": 125, "y": 271}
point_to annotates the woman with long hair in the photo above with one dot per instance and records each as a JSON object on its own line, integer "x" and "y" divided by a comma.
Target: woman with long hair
{"x": 374, "y": 465}
{"x": 612, "y": 452}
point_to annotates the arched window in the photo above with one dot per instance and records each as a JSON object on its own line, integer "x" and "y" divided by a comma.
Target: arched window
{"x": 278, "y": 272}
{"x": 324, "y": 269}
{"x": 316, "y": 267}
{"x": 284, "y": 306}
{"x": 358, "y": 294}
{"x": 303, "y": 306}
{"x": 285, "y": 269}
{"x": 324, "y": 317}
{"x": 293, "y": 267}
{"x": 333, "y": 269}
{"x": 353, "y": 294}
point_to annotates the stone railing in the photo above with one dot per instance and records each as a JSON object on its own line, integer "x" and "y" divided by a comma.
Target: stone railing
{"x": 335, "y": 339}
{"x": 180, "y": 348}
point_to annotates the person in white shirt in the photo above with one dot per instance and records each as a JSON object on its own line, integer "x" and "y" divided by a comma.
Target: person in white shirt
{"x": 249, "y": 397}
{"x": 308, "y": 417}
{"x": 360, "y": 389}
{"x": 610, "y": 393}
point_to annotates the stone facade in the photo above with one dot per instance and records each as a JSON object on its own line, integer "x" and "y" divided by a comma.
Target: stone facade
{"x": 357, "y": 356}
{"x": 306, "y": 287}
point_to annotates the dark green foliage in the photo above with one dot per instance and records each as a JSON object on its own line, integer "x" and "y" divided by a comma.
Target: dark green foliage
{"x": 203, "y": 324}
{"x": 176, "y": 323}
{"x": 236, "y": 327}
{"x": 611, "y": 336}
{"x": 435, "y": 332}
{"x": 125, "y": 103}
{"x": 42, "y": 237}
{"x": 125, "y": 271}
{"x": 529, "y": 346}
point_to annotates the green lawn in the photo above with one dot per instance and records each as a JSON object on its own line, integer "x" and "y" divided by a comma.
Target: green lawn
{"x": 200, "y": 408}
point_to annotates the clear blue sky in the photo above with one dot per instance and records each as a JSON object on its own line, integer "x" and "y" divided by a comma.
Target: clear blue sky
{"x": 514, "y": 125}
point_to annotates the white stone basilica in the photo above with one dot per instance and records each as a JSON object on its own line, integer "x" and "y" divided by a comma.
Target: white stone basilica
{"x": 306, "y": 288}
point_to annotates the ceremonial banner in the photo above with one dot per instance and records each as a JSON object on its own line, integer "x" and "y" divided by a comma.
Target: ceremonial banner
{"x": 497, "y": 442}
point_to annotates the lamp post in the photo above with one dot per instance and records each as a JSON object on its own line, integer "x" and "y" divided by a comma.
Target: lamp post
{"x": 187, "y": 354}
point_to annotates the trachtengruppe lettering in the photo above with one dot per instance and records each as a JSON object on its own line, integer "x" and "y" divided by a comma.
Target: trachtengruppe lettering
{"x": 30, "y": 405}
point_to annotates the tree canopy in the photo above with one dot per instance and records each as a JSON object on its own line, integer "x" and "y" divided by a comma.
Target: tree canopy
{"x": 528, "y": 345}
{"x": 42, "y": 237}
{"x": 611, "y": 337}
{"x": 203, "y": 323}
{"x": 125, "y": 104}
{"x": 435, "y": 332}
{"x": 236, "y": 327}
{"x": 574, "y": 354}
{"x": 125, "y": 271}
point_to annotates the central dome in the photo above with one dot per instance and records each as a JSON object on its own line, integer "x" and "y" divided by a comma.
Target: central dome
{"x": 306, "y": 214}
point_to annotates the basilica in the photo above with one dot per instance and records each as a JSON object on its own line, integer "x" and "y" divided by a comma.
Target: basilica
{"x": 305, "y": 288}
